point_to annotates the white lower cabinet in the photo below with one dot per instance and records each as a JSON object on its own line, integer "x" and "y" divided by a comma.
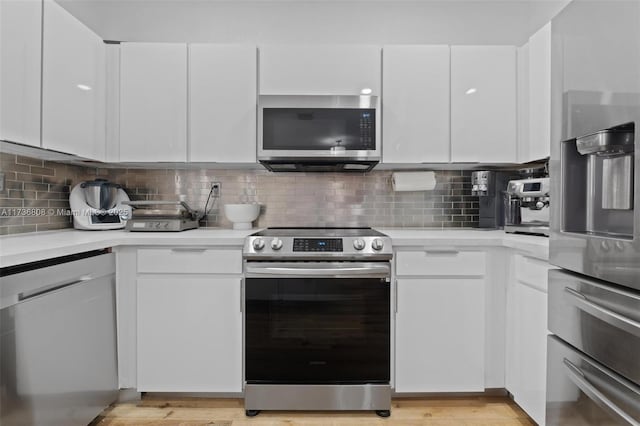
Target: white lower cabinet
{"x": 440, "y": 322}
{"x": 440, "y": 335}
{"x": 189, "y": 334}
{"x": 186, "y": 319}
{"x": 527, "y": 335}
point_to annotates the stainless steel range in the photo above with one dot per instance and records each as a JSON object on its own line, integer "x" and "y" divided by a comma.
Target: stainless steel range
{"x": 317, "y": 320}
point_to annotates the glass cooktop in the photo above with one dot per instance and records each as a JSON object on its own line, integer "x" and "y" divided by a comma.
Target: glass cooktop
{"x": 318, "y": 232}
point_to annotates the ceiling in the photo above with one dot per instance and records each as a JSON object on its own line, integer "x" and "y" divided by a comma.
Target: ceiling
{"x": 326, "y": 21}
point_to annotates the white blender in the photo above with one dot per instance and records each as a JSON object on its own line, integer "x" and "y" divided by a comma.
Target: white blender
{"x": 98, "y": 205}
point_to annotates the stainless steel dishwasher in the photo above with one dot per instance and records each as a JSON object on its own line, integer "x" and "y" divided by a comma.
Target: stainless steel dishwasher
{"x": 58, "y": 340}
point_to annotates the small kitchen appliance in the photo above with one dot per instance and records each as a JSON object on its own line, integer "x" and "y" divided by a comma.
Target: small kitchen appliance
{"x": 99, "y": 205}
{"x": 527, "y": 206}
{"x": 489, "y": 187}
{"x": 153, "y": 216}
{"x": 317, "y": 320}
{"x": 169, "y": 216}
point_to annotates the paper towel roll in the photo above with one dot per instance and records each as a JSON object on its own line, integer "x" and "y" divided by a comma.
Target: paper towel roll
{"x": 413, "y": 181}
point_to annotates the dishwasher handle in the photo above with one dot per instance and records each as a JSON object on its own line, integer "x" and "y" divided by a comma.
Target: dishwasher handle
{"x": 26, "y": 295}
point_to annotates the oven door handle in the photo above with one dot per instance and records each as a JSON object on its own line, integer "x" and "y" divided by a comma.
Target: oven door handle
{"x": 332, "y": 269}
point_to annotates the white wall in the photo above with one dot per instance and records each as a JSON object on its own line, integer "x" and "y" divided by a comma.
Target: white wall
{"x": 328, "y": 21}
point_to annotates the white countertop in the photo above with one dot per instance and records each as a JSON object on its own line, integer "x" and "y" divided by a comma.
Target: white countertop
{"x": 532, "y": 245}
{"x": 32, "y": 247}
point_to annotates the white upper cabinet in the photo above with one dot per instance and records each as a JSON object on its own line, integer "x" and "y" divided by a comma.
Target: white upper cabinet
{"x": 153, "y": 102}
{"x": 73, "y": 85}
{"x": 416, "y": 104}
{"x": 319, "y": 69}
{"x": 222, "y": 103}
{"x": 540, "y": 94}
{"x": 523, "y": 103}
{"x": 483, "y": 104}
{"x": 20, "y": 63}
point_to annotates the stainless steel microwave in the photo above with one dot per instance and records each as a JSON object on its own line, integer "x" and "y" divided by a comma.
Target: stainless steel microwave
{"x": 318, "y": 132}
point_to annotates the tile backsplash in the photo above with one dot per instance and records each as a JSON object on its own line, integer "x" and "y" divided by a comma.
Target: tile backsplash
{"x": 287, "y": 199}
{"x": 34, "y": 192}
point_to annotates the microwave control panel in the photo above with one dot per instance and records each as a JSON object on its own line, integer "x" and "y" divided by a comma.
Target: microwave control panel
{"x": 367, "y": 129}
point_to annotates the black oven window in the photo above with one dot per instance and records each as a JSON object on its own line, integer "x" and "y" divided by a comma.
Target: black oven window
{"x": 317, "y": 330}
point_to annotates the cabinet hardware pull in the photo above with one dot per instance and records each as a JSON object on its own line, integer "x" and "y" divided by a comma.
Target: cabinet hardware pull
{"x": 442, "y": 252}
{"x": 242, "y": 283}
{"x": 189, "y": 249}
{"x": 395, "y": 296}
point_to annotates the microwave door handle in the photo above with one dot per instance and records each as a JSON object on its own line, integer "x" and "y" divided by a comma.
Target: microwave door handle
{"x": 607, "y": 315}
{"x": 579, "y": 379}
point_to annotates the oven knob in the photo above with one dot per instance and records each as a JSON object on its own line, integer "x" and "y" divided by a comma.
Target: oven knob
{"x": 258, "y": 244}
{"x": 358, "y": 244}
{"x": 377, "y": 244}
{"x": 276, "y": 244}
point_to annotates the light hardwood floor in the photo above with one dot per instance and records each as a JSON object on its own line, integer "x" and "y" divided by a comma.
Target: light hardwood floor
{"x": 450, "y": 411}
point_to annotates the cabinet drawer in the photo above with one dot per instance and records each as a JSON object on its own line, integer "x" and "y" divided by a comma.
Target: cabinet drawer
{"x": 438, "y": 262}
{"x": 532, "y": 272}
{"x": 190, "y": 260}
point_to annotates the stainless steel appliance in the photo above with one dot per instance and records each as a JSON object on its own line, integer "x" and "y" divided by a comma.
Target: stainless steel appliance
{"x": 317, "y": 320}
{"x": 489, "y": 187}
{"x": 318, "y": 133}
{"x": 58, "y": 340}
{"x": 527, "y": 206}
{"x": 594, "y": 302}
{"x": 99, "y": 205}
{"x": 169, "y": 216}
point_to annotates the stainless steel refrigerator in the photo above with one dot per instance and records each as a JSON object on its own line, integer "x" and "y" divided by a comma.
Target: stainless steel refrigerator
{"x": 593, "y": 356}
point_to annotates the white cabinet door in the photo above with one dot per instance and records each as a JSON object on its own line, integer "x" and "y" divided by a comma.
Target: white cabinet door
{"x": 20, "y": 65}
{"x": 73, "y": 85}
{"x": 522, "y": 54}
{"x": 416, "y": 104}
{"x": 319, "y": 70}
{"x": 222, "y": 103}
{"x": 483, "y": 104}
{"x": 527, "y": 335}
{"x": 189, "y": 334}
{"x": 540, "y": 94}
{"x": 531, "y": 344}
{"x": 440, "y": 335}
{"x": 153, "y": 102}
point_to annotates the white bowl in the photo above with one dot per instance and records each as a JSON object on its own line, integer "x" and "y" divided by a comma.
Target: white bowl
{"x": 242, "y": 214}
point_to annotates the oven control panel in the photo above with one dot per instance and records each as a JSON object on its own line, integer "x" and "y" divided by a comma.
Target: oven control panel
{"x": 268, "y": 247}
{"x": 317, "y": 244}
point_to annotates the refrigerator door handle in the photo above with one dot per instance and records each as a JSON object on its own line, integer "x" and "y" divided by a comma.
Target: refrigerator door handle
{"x": 607, "y": 315}
{"x": 579, "y": 379}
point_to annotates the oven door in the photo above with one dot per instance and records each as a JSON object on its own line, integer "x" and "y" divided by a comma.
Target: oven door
{"x": 317, "y": 323}
{"x": 580, "y": 391}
